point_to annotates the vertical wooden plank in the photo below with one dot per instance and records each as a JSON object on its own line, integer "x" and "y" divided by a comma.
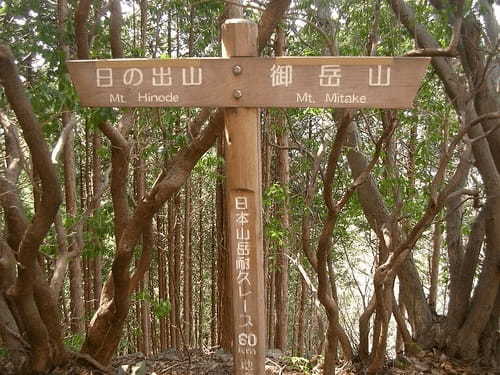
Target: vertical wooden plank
{"x": 244, "y": 208}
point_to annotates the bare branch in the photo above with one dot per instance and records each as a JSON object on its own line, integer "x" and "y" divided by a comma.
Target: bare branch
{"x": 271, "y": 17}
{"x": 335, "y": 153}
{"x": 306, "y": 278}
{"x": 51, "y": 194}
{"x": 194, "y": 127}
{"x": 15, "y": 218}
{"x": 99, "y": 13}
{"x": 120, "y": 158}
{"x": 81, "y": 18}
{"x": 454, "y": 87}
{"x": 330, "y": 43}
{"x": 116, "y": 29}
{"x": 15, "y": 335}
{"x": 14, "y": 155}
{"x": 36, "y": 325}
{"x": 486, "y": 116}
{"x": 87, "y": 358}
{"x": 451, "y": 50}
{"x": 361, "y": 179}
{"x": 306, "y": 218}
{"x": 63, "y": 138}
{"x": 145, "y": 259}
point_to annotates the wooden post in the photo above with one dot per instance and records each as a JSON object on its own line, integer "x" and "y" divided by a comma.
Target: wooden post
{"x": 244, "y": 209}
{"x": 240, "y": 82}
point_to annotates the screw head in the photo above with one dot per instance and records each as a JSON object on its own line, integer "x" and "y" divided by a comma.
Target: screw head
{"x": 237, "y": 70}
{"x": 237, "y": 94}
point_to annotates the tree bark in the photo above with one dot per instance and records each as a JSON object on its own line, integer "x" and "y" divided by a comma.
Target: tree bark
{"x": 10, "y": 334}
{"x": 434, "y": 265}
{"x": 224, "y": 303}
{"x": 319, "y": 260}
{"x": 75, "y": 244}
{"x": 377, "y": 215}
{"x": 188, "y": 268}
{"x": 301, "y": 325}
{"x": 172, "y": 223}
{"x": 213, "y": 283}
{"x": 281, "y": 337}
{"x": 47, "y": 346}
{"x": 485, "y": 152}
{"x": 97, "y": 187}
{"x": 201, "y": 267}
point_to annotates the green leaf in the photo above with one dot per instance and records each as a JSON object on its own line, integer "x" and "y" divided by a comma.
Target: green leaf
{"x": 161, "y": 308}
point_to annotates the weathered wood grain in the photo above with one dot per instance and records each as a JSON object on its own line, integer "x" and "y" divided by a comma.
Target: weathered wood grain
{"x": 244, "y": 213}
{"x": 263, "y": 82}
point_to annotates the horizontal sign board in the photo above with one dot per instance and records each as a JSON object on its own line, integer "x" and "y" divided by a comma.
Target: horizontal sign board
{"x": 348, "y": 82}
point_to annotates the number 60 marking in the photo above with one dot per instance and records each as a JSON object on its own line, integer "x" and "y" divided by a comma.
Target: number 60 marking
{"x": 247, "y": 339}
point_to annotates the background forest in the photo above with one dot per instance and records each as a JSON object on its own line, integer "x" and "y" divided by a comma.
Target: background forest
{"x": 382, "y": 227}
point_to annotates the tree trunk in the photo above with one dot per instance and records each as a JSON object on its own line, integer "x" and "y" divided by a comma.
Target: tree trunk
{"x": 31, "y": 294}
{"x": 301, "y": 325}
{"x": 163, "y": 264}
{"x": 486, "y": 154}
{"x": 270, "y": 306}
{"x": 97, "y": 187}
{"x": 177, "y": 274}
{"x": 281, "y": 336}
{"x": 223, "y": 278}
{"x": 10, "y": 334}
{"x": 377, "y": 215}
{"x": 76, "y": 239}
{"x": 201, "y": 274}
{"x": 188, "y": 269}
{"x": 172, "y": 218}
{"x": 434, "y": 265}
{"x": 213, "y": 282}
{"x": 143, "y": 307}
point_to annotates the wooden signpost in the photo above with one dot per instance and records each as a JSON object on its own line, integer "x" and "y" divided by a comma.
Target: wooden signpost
{"x": 349, "y": 82}
{"x": 244, "y": 203}
{"x": 241, "y": 82}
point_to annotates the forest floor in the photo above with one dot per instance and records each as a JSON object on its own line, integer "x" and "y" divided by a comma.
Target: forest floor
{"x": 196, "y": 362}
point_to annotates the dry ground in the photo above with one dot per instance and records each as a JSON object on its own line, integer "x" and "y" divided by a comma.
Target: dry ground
{"x": 196, "y": 362}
